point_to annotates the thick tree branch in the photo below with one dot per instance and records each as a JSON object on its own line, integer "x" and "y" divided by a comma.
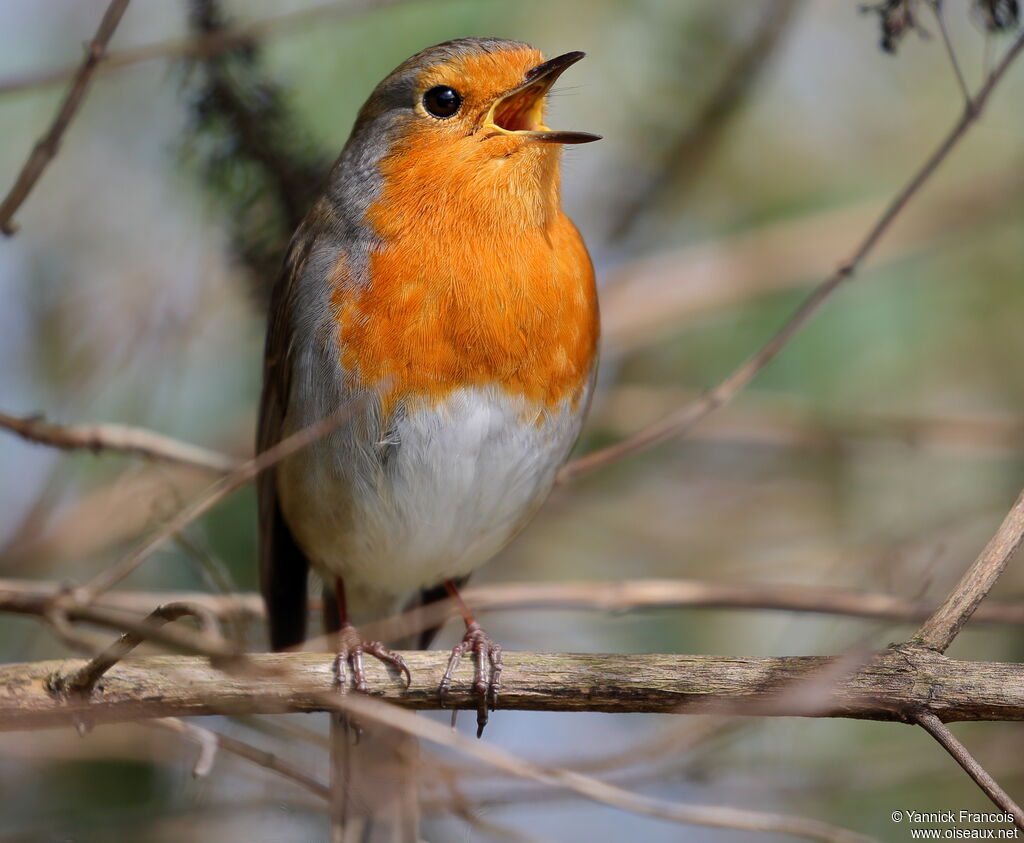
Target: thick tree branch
{"x": 894, "y": 685}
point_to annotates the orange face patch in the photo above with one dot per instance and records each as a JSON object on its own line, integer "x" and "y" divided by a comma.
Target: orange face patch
{"x": 480, "y": 78}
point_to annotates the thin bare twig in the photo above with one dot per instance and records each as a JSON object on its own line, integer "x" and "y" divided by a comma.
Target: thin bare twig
{"x": 247, "y": 605}
{"x": 782, "y": 421}
{"x": 680, "y": 421}
{"x": 366, "y": 708}
{"x": 199, "y": 47}
{"x": 245, "y": 473}
{"x": 287, "y": 731}
{"x": 629, "y": 595}
{"x": 488, "y": 829}
{"x": 611, "y": 596}
{"x": 649, "y": 297}
{"x": 691, "y": 149}
{"x": 938, "y": 632}
{"x": 61, "y": 625}
{"x": 219, "y": 578}
{"x": 938, "y": 730}
{"x": 46, "y": 148}
{"x": 267, "y": 760}
{"x": 103, "y": 517}
{"x": 116, "y": 438}
{"x": 84, "y": 679}
{"x": 936, "y": 7}
{"x": 60, "y": 615}
{"x": 680, "y": 739}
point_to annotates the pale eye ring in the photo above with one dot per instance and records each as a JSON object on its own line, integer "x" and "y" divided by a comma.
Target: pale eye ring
{"x": 442, "y": 101}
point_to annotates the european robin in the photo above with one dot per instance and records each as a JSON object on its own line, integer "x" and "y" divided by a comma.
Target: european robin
{"x": 437, "y": 288}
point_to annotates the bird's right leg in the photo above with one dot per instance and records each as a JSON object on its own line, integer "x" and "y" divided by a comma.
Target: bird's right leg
{"x": 374, "y": 768}
{"x": 351, "y": 647}
{"x": 488, "y": 662}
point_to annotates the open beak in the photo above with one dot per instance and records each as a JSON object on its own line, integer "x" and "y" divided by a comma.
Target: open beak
{"x": 520, "y": 111}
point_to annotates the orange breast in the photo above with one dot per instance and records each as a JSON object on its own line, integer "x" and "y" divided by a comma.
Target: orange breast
{"x": 490, "y": 287}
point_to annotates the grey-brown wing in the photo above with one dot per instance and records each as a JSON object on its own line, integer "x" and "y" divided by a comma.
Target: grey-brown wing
{"x": 284, "y": 568}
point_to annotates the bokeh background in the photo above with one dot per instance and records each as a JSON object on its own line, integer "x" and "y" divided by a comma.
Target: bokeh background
{"x": 879, "y": 451}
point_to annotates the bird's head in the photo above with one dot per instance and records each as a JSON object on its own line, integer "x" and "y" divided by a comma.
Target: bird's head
{"x": 484, "y": 90}
{"x": 468, "y": 116}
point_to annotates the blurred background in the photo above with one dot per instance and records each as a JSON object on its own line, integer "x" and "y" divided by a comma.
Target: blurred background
{"x": 748, "y": 147}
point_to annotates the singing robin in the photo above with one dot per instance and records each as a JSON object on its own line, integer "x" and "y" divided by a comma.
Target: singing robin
{"x": 437, "y": 288}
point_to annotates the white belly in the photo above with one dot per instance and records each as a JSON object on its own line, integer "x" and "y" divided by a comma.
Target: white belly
{"x": 450, "y": 487}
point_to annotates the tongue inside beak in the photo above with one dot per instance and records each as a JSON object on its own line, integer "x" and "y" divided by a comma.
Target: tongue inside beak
{"x": 520, "y": 111}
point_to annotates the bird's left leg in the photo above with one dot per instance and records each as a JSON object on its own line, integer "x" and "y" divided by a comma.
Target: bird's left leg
{"x": 487, "y": 666}
{"x": 351, "y": 647}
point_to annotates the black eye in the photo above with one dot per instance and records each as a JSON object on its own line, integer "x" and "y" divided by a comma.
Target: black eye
{"x": 442, "y": 101}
